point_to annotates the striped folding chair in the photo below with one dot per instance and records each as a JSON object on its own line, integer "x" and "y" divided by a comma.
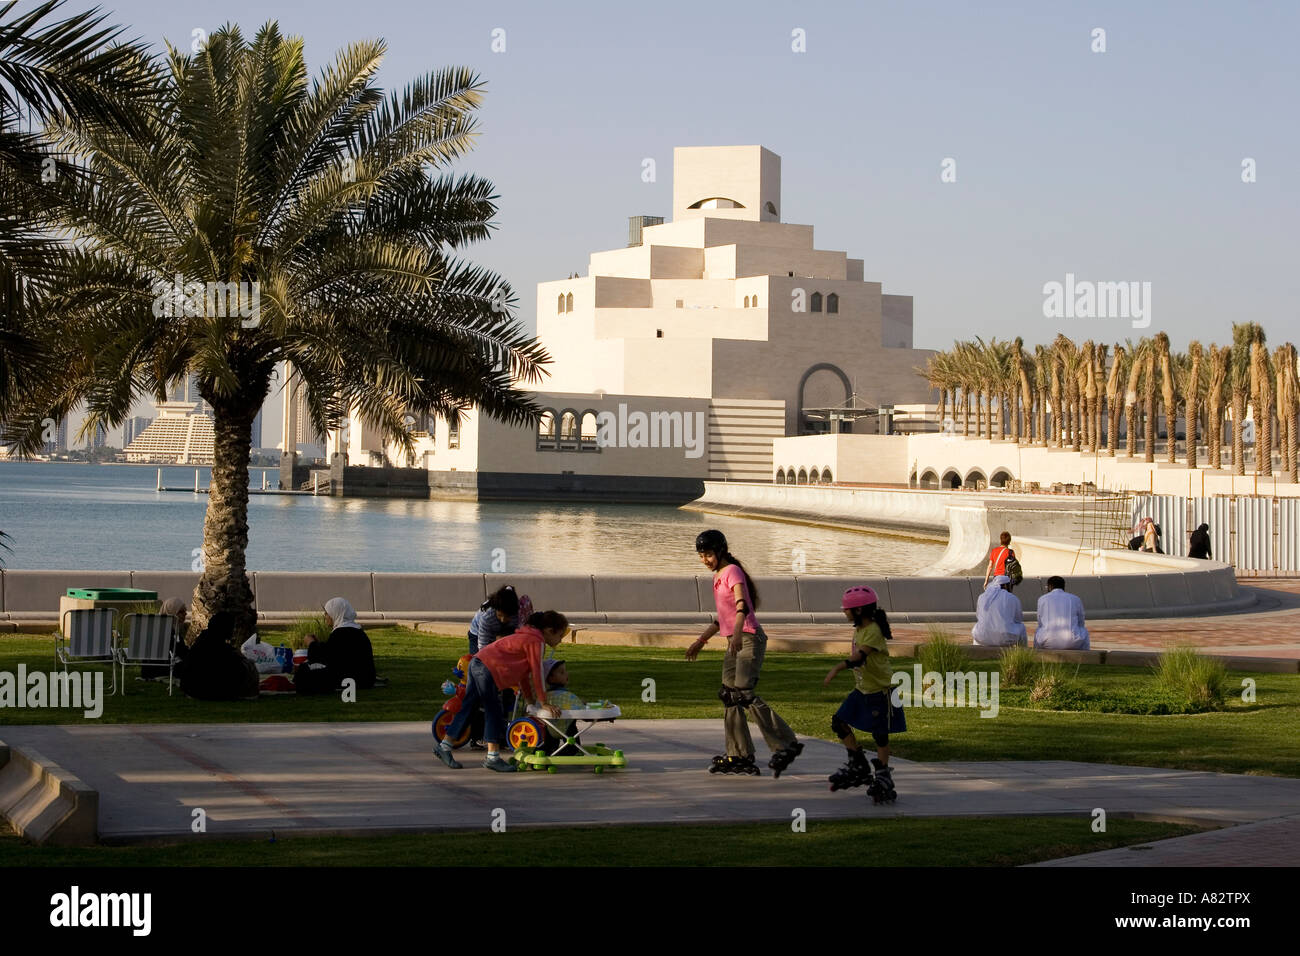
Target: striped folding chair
{"x": 150, "y": 639}
{"x": 88, "y": 636}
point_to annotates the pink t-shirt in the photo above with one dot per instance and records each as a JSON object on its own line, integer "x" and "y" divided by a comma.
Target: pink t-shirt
{"x": 724, "y": 598}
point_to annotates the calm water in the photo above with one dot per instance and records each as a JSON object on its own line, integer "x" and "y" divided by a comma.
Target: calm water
{"x": 109, "y": 516}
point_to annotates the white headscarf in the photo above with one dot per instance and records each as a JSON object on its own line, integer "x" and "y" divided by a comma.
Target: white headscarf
{"x": 341, "y": 613}
{"x": 996, "y": 614}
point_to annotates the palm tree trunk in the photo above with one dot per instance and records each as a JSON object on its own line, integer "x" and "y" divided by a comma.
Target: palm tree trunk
{"x": 224, "y": 584}
{"x": 1238, "y": 413}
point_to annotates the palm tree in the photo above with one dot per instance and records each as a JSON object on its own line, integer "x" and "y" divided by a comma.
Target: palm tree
{"x": 1020, "y": 362}
{"x": 1097, "y": 379}
{"x": 1220, "y": 364}
{"x": 1149, "y": 394}
{"x": 1114, "y": 406}
{"x": 77, "y": 67}
{"x": 1044, "y": 365}
{"x": 1169, "y": 393}
{"x": 1193, "y": 393}
{"x": 1287, "y": 406}
{"x": 1244, "y": 335}
{"x": 1137, "y": 364}
{"x": 1261, "y": 394}
{"x": 323, "y": 196}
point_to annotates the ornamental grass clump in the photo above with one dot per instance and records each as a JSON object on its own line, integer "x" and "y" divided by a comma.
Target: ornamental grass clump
{"x": 1197, "y": 680}
{"x": 941, "y": 653}
{"x": 1019, "y": 665}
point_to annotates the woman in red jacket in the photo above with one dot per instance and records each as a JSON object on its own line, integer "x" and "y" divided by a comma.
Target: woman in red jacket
{"x": 515, "y": 660}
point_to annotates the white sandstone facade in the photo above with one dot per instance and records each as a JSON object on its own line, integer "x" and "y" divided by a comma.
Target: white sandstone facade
{"x": 724, "y": 312}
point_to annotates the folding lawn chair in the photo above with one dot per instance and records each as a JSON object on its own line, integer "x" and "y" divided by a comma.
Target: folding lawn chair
{"x": 88, "y": 636}
{"x": 150, "y": 639}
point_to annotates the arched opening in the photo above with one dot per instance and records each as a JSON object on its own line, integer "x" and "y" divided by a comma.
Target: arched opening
{"x": 780, "y": 476}
{"x": 929, "y": 479}
{"x": 826, "y": 476}
{"x": 589, "y": 431}
{"x": 770, "y": 207}
{"x": 546, "y": 430}
{"x": 569, "y": 428}
{"x": 1000, "y": 478}
{"x": 813, "y": 475}
{"x": 790, "y": 477}
{"x": 803, "y": 477}
{"x": 823, "y": 387}
{"x": 716, "y": 202}
{"x": 951, "y": 479}
{"x": 975, "y": 477}
{"x": 832, "y": 304}
{"x": 815, "y": 302}
{"x": 747, "y": 302}
{"x": 453, "y": 432}
{"x": 559, "y": 303}
{"x": 568, "y": 302}
{"x": 756, "y": 302}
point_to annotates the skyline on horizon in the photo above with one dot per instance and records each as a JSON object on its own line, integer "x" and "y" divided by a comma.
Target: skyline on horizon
{"x": 1123, "y": 165}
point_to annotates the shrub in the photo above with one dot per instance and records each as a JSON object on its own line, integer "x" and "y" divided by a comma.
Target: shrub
{"x": 1019, "y": 665}
{"x": 1197, "y": 680}
{"x": 1054, "y": 689}
{"x": 941, "y": 653}
{"x": 295, "y": 634}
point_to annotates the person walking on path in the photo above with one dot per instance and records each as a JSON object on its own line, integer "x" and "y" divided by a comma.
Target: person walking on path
{"x": 506, "y": 662}
{"x": 1199, "y": 546}
{"x": 736, "y": 599}
{"x": 869, "y": 706}
{"x": 998, "y": 557}
{"x": 1060, "y": 619}
{"x": 999, "y": 620}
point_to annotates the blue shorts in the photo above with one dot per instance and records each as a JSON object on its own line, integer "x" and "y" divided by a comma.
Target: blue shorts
{"x": 872, "y": 713}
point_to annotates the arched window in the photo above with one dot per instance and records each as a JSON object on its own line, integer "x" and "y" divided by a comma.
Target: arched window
{"x": 569, "y": 429}
{"x": 815, "y": 304}
{"x": 826, "y": 476}
{"x": 780, "y": 476}
{"x": 559, "y": 303}
{"x": 832, "y": 304}
{"x": 790, "y": 477}
{"x": 546, "y": 430}
{"x": 929, "y": 479}
{"x": 756, "y": 302}
{"x": 568, "y": 302}
{"x": 803, "y": 477}
{"x": 813, "y": 475}
{"x": 747, "y": 302}
{"x": 453, "y": 432}
{"x": 589, "y": 432}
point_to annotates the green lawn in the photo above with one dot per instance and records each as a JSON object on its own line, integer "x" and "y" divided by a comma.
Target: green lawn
{"x": 966, "y": 841}
{"x": 1256, "y": 738}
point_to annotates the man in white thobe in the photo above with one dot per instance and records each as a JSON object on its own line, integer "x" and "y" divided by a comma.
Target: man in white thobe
{"x": 999, "y": 621}
{"x": 1060, "y": 619}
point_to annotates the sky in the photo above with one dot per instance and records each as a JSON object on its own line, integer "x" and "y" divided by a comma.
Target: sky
{"x": 1122, "y": 165}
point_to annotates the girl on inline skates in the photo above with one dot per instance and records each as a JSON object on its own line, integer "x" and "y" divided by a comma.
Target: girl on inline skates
{"x": 869, "y": 706}
{"x": 735, "y": 597}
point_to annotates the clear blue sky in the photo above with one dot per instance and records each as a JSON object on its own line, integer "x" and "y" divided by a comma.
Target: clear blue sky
{"x": 1123, "y": 165}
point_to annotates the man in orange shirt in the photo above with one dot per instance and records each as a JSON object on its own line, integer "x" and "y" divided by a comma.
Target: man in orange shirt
{"x": 998, "y": 557}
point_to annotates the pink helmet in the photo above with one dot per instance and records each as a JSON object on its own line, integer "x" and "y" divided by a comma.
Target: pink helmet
{"x": 859, "y": 596}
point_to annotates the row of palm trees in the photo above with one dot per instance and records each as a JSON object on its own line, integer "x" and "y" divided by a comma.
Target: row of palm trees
{"x": 1067, "y": 395}
{"x": 122, "y": 168}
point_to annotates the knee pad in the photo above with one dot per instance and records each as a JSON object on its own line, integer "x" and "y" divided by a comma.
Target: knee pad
{"x": 735, "y": 697}
{"x": 839, "y": 728}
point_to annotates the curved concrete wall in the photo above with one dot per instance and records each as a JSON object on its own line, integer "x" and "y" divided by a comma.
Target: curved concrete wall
{"x": 31, "y": 597}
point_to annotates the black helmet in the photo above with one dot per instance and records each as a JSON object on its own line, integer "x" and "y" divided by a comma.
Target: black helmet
{"x": 714, "y": 542}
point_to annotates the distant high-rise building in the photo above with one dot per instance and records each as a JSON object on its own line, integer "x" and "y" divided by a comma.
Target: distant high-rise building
{"x": 255, "y": 440}
{"x": 61, "y": 440}
{"x": 99, "y": 438}
{"x": 187, "y": 390}
{"x": 132, "y": 428}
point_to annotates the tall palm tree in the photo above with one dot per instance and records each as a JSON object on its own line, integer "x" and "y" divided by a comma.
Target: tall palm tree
{"x": 1137, "y": 364}
{"x": 1021, "y": 363}
{"x": 1043, "y": 368}
{"x": 1100, "y": 353}
{"x": 1220, "y": 366}
{"x": 1150, "y": 402}
{"x": 1287, "y": 407}
{"x": 1244, "y": 336}
{"x": 1114, "y": 404}
{"x": 1261, "y": 397}
{"x": 1169, "y": 394}
{"x": 78, "y": 67}
{"x": 1193, "y": 393}
{"x": 324, "y": 196}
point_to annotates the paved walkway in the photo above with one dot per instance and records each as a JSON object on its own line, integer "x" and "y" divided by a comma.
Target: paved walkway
{"x": 358, "y": 778}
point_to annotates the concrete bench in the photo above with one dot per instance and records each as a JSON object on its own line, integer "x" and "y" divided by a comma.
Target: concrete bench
{"x": 823, "y": 596}
{"x": 658, "y": 593}
{"x": 569, "y": 594}
{"x": 935, "y": 594}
